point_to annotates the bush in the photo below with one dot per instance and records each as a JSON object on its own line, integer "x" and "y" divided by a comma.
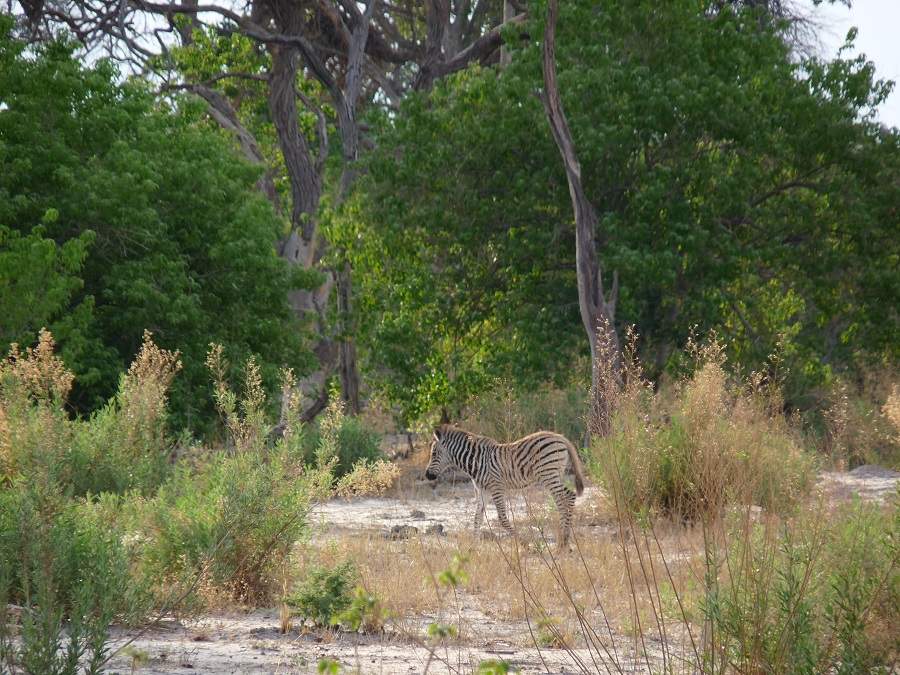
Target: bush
{"x": 231, "y": 523}
{"x": 367, "y": 479}
{"x": 124, "y": 446}
{"x": 324, "y": 594}
{"x": 341, "y": 438}
{"x": 65, "y": 564}
{"x": 712, "y": 441}
{"x": 232, "y": 519}
{"x": 62, "y": 559}
{"x": 366, "y": 613}
{"x": 858, "y": 424}
{"x": 807, "y": 596}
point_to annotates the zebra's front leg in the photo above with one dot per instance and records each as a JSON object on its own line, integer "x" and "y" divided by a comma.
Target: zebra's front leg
{"x": 499, "y": 500}
{"x": 479, "y": 507}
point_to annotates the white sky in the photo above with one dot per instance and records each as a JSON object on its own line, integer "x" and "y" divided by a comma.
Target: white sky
{"x": 878, "y": 22}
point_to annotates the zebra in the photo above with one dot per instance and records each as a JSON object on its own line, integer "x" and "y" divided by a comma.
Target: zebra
{"x": 539, "y": 458}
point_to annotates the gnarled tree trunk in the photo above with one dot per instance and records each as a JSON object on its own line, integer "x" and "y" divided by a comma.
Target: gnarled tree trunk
{"x": 598, "y": 309}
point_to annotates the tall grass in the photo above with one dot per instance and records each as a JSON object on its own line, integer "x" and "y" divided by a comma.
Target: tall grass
{"x": 710, "y": 441}
{"x": 858, "y": 424}
{"x": 124, "y": 446}
{"x": 781, "y": 584}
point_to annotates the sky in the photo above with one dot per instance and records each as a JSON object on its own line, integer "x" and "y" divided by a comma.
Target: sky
{"x": 878, "y": 22}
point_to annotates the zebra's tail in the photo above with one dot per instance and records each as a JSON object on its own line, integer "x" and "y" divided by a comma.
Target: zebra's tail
{"x": 576, "y": 467}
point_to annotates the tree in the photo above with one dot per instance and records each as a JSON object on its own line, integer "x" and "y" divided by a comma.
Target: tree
{"x": 736, "y": 187}
{"x": 354, "y": 54}
{"x": 148, "y": 220}
{"x": 598, "y": 309}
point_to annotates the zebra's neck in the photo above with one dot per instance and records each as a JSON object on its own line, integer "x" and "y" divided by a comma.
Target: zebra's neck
{"x": 469, "y": 452}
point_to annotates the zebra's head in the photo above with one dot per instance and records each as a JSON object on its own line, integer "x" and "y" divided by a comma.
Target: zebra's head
{"x": 440, "y": 457}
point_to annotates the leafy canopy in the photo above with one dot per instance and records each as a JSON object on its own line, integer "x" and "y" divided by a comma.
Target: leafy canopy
{"x": 118, "y": 214}
{"x": 739, "y": 189}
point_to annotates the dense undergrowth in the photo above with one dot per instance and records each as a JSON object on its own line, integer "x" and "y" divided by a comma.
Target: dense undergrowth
{"x": 707, "y": 481}
{"x": 108, "y": 519}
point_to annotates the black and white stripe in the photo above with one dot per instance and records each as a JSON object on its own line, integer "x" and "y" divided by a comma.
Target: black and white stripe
{"x": 537, "y": 459}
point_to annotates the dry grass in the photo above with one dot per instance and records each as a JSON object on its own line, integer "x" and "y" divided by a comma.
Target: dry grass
{"x": 711, "y": 441}
{"x": 759, "y": 577}
{"x": 514, "y": 582}
{"x": 367, "y": 479}
{"x": 861, "y": 421}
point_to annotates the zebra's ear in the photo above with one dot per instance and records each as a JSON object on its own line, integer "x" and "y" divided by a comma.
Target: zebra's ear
{"x": 438, "y": 432}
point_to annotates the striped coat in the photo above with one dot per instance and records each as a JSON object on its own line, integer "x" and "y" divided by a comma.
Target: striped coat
{"x": 537, "y": 459}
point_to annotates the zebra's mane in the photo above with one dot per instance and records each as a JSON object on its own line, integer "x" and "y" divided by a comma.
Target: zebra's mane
{"x": 471, "y": 437}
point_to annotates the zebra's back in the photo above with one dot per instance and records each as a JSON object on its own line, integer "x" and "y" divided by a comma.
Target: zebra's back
{"x": 540, "y": 457}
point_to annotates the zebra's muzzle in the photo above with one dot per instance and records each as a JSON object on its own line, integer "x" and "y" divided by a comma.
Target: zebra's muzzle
{"x": 429, "y": 475}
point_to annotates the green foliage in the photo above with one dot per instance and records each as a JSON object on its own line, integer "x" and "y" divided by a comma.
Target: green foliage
{"x": 810, "y": 596}
{"x": 324, "y": 594}
{"x": 328, "y": 667}
{"x": 122, "y": 447}
{"x": 494, "y": 667}
{"x": 342, "y": 439}
{"x": 64, "y": 563}
{"x": 731, "y": 181}
{"x": 232, "y": 521}
{"x": 38, "y": 279}
{"x": 135, "y": 215}
{"x": 366, "y": 613}
{"x": 455, "y": 574}
{"x": 439, "y": 632}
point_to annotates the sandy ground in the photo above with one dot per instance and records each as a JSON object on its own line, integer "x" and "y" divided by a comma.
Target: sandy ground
{"x": 252, "y": 642}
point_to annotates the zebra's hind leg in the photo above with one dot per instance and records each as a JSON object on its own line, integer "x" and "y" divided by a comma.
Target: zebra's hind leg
{"x": 565, "y": 504}
{"x": 499, "y": 500}
{"x": 479, "y": 507}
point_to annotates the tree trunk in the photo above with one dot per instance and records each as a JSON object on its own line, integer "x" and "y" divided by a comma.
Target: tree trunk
{"x": 597, "y": 309}
{"x": 346, "y": 344}
{"x": 509, "y": 12}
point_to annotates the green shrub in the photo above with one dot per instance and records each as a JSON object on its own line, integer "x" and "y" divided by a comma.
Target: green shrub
{"x": 122, "y": 447}
{"x": 808, "y": 596}
{"x": 324, "y": 594}
{"x": 707, "y": 442}
{"x": 65, "y": 564}
{"x": 494, "y": 667}
{"x": 366, "y": 613}
{"x": 342, "y": 438}
{"x": 232, "y": 522}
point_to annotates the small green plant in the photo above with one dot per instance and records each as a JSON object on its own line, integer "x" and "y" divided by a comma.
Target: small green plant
{"x": 365, "y": 614}
{"x": 341, "y": 441}
{"x": 245, "y": 416}
{"x": 439, "y": 632}
{"x": 324, "y": 594}
{"x": 494, "y": 667}
{"x": 139, "y": 657}
{"x": 455, "y": 575}
{"x": 550, "y": 634}
{"x": 328, "y": 667}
